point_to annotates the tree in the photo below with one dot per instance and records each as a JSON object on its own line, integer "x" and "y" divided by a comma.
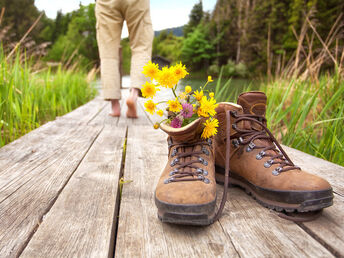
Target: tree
{"x": 80, "y": 40}
{"x": 195, "y": 18}
{"x": 20, "y": 15}
{"x": 197, "y": 49}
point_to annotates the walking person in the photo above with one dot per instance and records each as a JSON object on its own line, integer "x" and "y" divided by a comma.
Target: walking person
{"x": 110, "y": 16}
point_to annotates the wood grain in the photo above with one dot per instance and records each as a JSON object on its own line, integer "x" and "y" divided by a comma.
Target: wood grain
{"x": 258, "y": 232}
{"x": 24, "y": 207}
{"x": 81, "y": 222}
{"x": 85, "y": 113}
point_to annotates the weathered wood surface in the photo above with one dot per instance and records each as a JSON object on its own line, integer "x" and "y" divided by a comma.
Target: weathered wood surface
{"x": 59, "y": 197}
{"x": 84, "y": 214}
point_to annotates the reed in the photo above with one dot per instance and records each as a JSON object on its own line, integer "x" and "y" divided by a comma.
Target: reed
{"x": 30, "y": 98}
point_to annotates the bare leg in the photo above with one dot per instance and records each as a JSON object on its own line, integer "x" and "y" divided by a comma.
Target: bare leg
{"x": 131, "y": 103}
{"x": 115, "y": 108}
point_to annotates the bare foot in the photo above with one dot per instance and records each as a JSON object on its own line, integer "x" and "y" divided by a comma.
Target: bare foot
{"x": 131, "y": 103}
{"x": 115, "y": 108}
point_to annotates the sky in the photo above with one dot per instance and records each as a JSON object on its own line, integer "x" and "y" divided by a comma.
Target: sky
{"x": 165, "y": 13}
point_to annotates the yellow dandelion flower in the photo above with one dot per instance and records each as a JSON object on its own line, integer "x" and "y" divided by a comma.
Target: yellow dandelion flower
{"x": 188, "y": 89}
{"x": 150, "y": 106}
{"x": 160, "y": 112}
{"x": 207, "y": 107}
{"x": 211, "y": 94}
{"x": 149, "y": 90}
{"x": 174, "y": 105}
{"x": 210, "y": 128}
{"x": 180, "y": 71}
{"x": 151, "y": 70}
{"x": 156, "y": 126}
{"x": 210, "y": 79}
{"x": 167, "y": 78}
{"x": 198, "y": 95}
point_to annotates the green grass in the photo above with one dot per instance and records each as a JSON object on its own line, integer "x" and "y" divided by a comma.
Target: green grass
{"x": 29, "y": 99}
{"x": 305, "y": 115}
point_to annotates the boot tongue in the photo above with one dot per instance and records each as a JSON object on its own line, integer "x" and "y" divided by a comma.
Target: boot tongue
{"x": 253, "y": 102}
{"x": 189, "y": 133}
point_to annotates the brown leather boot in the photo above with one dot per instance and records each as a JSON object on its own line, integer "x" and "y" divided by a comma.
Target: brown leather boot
{"x": 186, "y": 191}
{"x": 259, "y": 164}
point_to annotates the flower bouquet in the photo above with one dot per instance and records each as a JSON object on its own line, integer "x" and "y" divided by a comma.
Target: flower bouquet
{"x": 186, "y": 106}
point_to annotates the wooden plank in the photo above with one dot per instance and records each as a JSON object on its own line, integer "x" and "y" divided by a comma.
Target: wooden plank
{"x": 36, "y": 139}
{"x": 43, "y": 146}
{"x": 140, "y": 232}
{"x": 83, "y": 216}
{"x": 23, "y": 209}
{"x": 330, "y": 171}
{"x": 258, "y": 232}
{"x": 86, "y": 112}
{"x": 329, "y": 228}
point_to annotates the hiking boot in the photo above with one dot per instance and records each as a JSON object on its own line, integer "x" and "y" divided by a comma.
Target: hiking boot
{"x": 186, "y": 191}
{"x": 260, "y": 165}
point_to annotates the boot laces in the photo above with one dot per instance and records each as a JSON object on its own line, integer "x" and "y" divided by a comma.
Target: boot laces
{"x": 248, "y": 136}
{"x": 186, "y": 175}
{"x": 188, "y": 170}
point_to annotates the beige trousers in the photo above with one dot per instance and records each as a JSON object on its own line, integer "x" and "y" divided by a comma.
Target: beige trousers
{"x": 110, "y": 15}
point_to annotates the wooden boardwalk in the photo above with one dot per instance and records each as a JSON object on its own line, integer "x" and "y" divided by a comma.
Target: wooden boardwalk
{"x": 60, "y": 197}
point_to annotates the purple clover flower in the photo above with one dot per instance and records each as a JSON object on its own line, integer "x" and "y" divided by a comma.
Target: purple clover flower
{"x": 187, "y": 111}
{"x": 176, "y": 123}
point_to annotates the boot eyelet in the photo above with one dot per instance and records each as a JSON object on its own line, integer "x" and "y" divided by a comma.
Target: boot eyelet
{"x": 204, "y": 162}
{"x": 276, "y": 171}
{"x": 205, "y": 151}
{"x": 206, "y": 180}
{"x": 173, "y": 172}
{"x": 174, "y": 162}
{"x": 250, "y": 147}
{"x": 234, "y": 113}
{"x": 268, "y": 163}
{"x": 260, "y": 155}
{"x": 241, "y": 140}
{"x": 235, "y": 143}
{"x": 234, "y": 126}
{"x": 210, "y": 142}
{"x": 205, "y": 172}
{"x": 201, "y": 177}
{"x": 168, "y": 180}
{"x": 174, "y": 153}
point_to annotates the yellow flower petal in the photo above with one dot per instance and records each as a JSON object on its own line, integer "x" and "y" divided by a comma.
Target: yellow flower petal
{"x": 167, "y": 78}
{"x": 207, "y": 107}
{"x": 210, "y": 79}
{"x": 160, "y": 112}
{"x": 210, "y": 128}
{"x": 151, "y": 70}
{"x": 149, "y": 90}
{"x": 211, "y": 94}
{"x": 150, "y": 106}
{"x": 174, "y": 105}
{"x": 198, "y": 95}
{"x": 179, "y": 71}
{"x": 188, "y": 89}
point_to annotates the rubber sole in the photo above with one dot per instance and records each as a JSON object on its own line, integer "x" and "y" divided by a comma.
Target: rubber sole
{"x": 197, "y": 215}
{"x": 287, "y": 201}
